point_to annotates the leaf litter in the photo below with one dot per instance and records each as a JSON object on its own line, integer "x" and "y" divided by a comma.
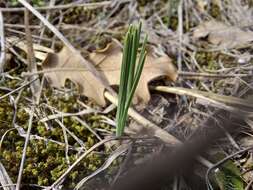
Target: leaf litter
{"x": 65, "y": 65}
{"x": 222, "y": 35}
{"x": 217, "y": 38}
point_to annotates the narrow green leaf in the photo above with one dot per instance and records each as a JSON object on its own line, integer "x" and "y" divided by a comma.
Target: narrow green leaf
{"x": 122, "y": 95}
{"x": 137, "y": 76}
{"x": 134, "y": 51}
{"x": 130, "y": 75}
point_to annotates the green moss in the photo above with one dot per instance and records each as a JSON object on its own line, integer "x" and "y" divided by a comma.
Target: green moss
{"x": 81, "y": 14}
{"x": 207, "y": 59}
{"x": 215, "y": 11}
{"x": 45, "y": 160}
{"x": 38, "y": 3}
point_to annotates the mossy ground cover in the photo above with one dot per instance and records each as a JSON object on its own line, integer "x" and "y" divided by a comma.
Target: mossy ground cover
{"x": 46, "y": 159}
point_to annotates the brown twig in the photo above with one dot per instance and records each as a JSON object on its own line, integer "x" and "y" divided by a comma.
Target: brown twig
{"x": 32, "y": 66}
{"x": 2, "y": 44}
{"x": 61, "y": 7}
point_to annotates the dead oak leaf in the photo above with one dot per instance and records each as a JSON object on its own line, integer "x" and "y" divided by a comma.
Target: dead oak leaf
{"x": 65, "y": 65}
{"x": 222, "y": 35}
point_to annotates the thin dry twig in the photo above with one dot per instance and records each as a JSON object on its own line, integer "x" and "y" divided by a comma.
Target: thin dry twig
{"x": 61, "y": 7}
{"x": 35, "y": 87}
{"x": 182, "y": 74}
{"x": 114, "y": 155}
{"x": 199, "y": 76}
{"x": 180, "y": 34}
{"x": 32, "y": 66}
{"x": 51, "y": 4}
{"x": 5, "y": 180}
{"x": 215, "y": 99}
{"x": 61, "y": 114}
{"x": 24, "y": 149}
{"x": 2, "y": 54}
{"x": 33, "y": 36}
{"x": 78, "y": 140}
{"x": 18, "y": 89}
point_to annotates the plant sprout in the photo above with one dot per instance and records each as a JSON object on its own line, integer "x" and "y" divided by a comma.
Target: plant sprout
{"x": 130, "y": 74}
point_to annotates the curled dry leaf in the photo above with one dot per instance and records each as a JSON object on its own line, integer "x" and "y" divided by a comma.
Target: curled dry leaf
{"x": 40, "y": 51}
{"x": 65, "y": 65}
{"x": 222, "y": 35}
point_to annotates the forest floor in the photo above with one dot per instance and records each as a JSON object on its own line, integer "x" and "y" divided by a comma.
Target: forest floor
{"x": 57, "y": 133}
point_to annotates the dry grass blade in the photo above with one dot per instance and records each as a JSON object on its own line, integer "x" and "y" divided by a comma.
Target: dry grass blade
{"x": 5, "y": 180}
{"x": 114, "y": 155}
{"x": 62, "y": 115}
{"x": 35, "y": 88}
{"x": 18, "y": 186}
{"x": 17, "y": 89}
{"x": 215, "y": 99}
{"x": 200, "y": 76}
{"x": 2, "y": 54}
{"x": 32, "y": 66}
{"x": 62, "y": 7}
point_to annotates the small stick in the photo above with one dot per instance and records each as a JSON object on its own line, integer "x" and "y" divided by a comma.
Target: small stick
{"x": 119, "y": 151}
{"x": 79, "y": 141}
{"x": 17, "y": 89}
{"x": 32, "y": 66}
{"x": 61, "y": 7}
{"x": 5, "y": 180}
{"x": 216, "y": 99}
{"x": 180, "y": 34}
{"x": 62, "y": 114}
{"x": 2, "y": 54}
{"x": 198, "y": 76}
{"x": 35, "y": 90}
{"x": 24, "y": 149}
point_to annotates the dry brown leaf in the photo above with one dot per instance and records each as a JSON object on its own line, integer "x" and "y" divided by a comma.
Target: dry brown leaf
{"x": 39, "y": 51}
{"x": 65, "y": 65}
{"x": 222, "y": 35}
